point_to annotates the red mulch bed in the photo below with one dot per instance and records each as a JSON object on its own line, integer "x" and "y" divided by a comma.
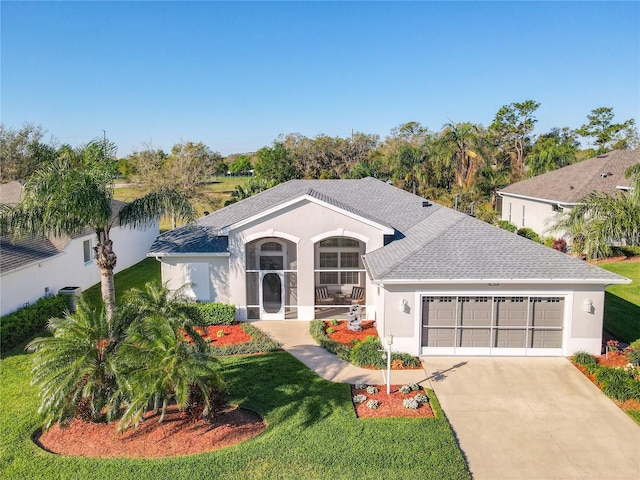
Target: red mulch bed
{"x": 615, "y": 359}
{"x": 233, "y": 334}
{"x": 343, "y": 335}
{"x": 390, "y": 406}
{"x": 175, "y": 436}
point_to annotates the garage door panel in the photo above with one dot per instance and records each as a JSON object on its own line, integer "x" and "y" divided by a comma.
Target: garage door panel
{"x": 475, "y": 311}
{"x": 438, "y": 337}
{"x": 546, "y": 338}
{"x": 547, "y": 312}
{"x": 439, "y": 311}
{"x": 511, "y": 312}
{"x": 468, "y": 325}
{"x": 510, "y": 338}
{"x": 474, "y": 337}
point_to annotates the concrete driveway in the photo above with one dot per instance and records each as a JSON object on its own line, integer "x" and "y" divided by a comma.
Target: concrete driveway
{"x": 534, "y": 418}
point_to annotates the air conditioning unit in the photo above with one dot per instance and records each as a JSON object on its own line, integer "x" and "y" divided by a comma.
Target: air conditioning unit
{"x": 73, "y": 294}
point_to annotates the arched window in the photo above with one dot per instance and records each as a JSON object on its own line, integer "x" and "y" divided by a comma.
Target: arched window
{"x": 271, "y": 247}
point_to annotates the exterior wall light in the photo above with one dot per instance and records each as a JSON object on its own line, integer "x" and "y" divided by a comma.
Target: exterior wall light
{"x": 403, "y": 305}
{"x": 588, "y": 305}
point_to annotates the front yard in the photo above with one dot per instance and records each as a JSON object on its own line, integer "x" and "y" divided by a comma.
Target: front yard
{"x": 312, "y": 432}
{"x": 622, "y": 302}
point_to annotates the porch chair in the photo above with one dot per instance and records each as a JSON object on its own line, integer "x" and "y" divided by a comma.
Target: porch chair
{"x": 356, "y": 297}
{"x": 323, "y": 297}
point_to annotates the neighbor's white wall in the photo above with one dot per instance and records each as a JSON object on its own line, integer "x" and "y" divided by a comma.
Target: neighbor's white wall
{"x": 303, "y": 220}
{"x": 68, "y": 269}
{"x": 539, "y": 216}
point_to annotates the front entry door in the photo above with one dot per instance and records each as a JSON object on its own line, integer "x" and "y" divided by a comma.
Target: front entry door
{"x": 272, "y": 295}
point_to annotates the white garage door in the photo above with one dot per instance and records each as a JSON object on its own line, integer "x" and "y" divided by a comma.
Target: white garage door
{"x": 492, "y": 325}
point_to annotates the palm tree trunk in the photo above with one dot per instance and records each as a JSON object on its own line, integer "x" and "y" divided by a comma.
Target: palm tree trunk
{"x": 164, "y": 410}
{"x": 106, "y": 261}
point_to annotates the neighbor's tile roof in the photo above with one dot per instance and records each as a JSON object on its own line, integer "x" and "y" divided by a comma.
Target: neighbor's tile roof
{"x": 572, "y": 183}
{"x": 432, "y": 242}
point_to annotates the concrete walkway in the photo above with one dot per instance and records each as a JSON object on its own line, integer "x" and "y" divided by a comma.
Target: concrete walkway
{"x": 515, "y": 418}
{"x": 295, "y": 339}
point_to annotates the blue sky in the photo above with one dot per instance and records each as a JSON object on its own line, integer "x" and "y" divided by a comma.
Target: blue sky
{"x": 236, "y": 75}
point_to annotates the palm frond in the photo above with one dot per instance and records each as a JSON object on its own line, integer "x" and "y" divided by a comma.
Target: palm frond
{"x": 145, "y": 210}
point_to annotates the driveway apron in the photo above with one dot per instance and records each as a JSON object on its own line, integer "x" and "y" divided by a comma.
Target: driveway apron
{"x": 533, "y": 418}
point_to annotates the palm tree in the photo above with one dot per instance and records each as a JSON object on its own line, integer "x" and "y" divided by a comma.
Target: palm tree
{"x": 490, "y": 179}
{"x": 163, "y": 356}
{"x": 410, "y": 166}
{"x": 75, "y": 369}
{"x": 62, "y": 200}
{"x": 464, "y": 140}
{"x": 600, "y": 219}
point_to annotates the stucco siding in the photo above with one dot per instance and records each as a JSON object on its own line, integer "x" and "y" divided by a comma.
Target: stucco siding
{"x": 301, "y": 223}
{"x": 581, "y": 329}
{"x": 538, "y": 216}
{"x": 68, "y": 269}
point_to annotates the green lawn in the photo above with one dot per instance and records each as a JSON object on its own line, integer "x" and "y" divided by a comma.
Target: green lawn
{"x": 622, "y": 302}
{"x": 312, "y": 433}
{"x": 134, "y": 276}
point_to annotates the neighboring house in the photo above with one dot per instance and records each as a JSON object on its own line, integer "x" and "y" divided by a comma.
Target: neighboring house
{"x": 441, "y": 282}
{"x": 535, "y": 202}
{"x": 38, "y": 266}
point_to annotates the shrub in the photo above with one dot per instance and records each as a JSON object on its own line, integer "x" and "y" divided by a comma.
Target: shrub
{"x": 360, "y": 386}
{"x": 633, "y": 352}
{"x": 422, "y": 398}
{"x": 528, "y": 233}
{"x": 19, "y": 326}
{"x": 334, "y": 322}
{"x": 217, "y": 313}
{"x": 220, "y": 333}
{"x": 404, "y": 389}
{"x": 410, "y": 403}
{"x": 359, "y": 398}
{"x": 560, "y": 244}
{"x": 260, "y": 343}
{"x": 367, "y": 353}
{"x": 548, "y": 241}
{"x": 613, "y": 345}
{"x": 331, "y": 330}
{"x": 508, "y": 226}
{"x": 617, "y": 383}
{"x": 414, "y": 387}
{"x": 371, "y": 390}
{"x": 316, "y": 329}
{"x": 373, "y": 404}
{"x": 583, "y": 358}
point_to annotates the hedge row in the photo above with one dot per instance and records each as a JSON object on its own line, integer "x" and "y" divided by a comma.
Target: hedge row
{"x": 19, "y": 326}
{"x": 364, "y": 354}
{"x": 343, "y": 352}
{"x": 217, "y": 313}
{"x": 260, "y": 343}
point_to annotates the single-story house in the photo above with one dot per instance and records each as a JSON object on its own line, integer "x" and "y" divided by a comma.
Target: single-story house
{"x": 36, "y": 267}
{"x": 440, "y": 281}
{"x": 535, "y": 202}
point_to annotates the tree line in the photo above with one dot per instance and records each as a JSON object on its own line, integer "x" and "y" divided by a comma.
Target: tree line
{"x": 462, "y": 160}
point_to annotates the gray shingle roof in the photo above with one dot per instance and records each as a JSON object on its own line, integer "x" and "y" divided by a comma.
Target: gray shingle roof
{"x": 459, "y": 247}
{"x": 191, "y": 239}
{"x": 431, "y": 243}
{"x": 24, "y": 252}
{"x": 572, "y": 183}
